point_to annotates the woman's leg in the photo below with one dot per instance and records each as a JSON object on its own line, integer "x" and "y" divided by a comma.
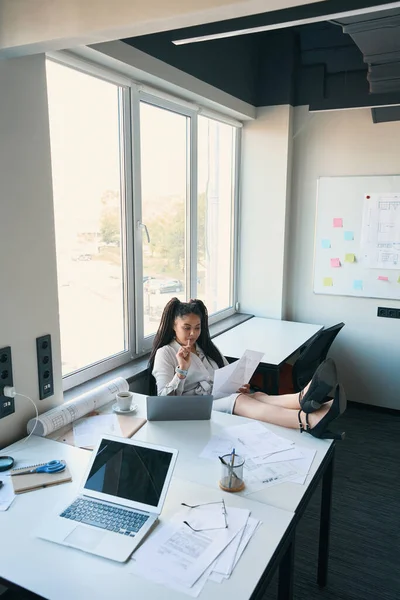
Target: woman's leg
{"x": 291, "y": 401}
{"x": 248, "y": 406}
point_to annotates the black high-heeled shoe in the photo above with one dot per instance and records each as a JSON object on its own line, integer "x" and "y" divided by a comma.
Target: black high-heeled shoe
{"x": 320, "y": 430}
{"x": 322, "y": 384}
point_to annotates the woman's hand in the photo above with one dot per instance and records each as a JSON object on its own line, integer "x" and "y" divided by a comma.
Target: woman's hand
{"x": 245, "y": 389}
{"x": 183, "y": 357}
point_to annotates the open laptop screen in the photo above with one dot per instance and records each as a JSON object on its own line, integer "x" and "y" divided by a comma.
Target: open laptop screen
{"x": 127, "y": 471}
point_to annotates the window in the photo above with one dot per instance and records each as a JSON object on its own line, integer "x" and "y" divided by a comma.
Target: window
{"x": 215, "y": 224}
{"x": 145, "y": 202}
{"x": 164, "y": 149}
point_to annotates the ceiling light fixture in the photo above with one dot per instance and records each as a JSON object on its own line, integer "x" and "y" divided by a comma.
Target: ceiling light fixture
{"x": 274, "y": 26}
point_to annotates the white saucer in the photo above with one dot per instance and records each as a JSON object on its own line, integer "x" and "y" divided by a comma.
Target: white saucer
{"x": 130, "y": 410}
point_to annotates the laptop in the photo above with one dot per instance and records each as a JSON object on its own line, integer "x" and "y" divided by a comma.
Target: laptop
{"x": 120, "y": 498}
{"x": 179, "y": 408}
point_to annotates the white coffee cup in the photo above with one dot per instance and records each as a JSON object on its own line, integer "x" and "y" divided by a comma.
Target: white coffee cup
{"x": 124, "y": 400}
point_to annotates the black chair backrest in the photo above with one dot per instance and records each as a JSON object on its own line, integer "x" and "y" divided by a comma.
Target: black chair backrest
{"x": 152, "y": 387}
{"x": 313, "y": 355}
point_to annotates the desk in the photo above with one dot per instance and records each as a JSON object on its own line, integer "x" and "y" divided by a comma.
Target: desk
{"x": 190, "y": 437}
{"x": 277, "y": 340}
{"x": 59, "y": 573}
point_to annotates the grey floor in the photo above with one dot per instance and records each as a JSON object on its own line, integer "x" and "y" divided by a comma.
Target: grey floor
{"x": 365, "y": 530}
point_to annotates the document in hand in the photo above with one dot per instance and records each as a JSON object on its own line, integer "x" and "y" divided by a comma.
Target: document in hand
{"x": 230, "y": 378}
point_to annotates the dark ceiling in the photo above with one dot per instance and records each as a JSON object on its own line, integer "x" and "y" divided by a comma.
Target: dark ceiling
{"x": 353, "y": 62}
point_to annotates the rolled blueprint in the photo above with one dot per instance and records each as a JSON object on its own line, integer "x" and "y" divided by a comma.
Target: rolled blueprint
{"x": 77, "y": 407}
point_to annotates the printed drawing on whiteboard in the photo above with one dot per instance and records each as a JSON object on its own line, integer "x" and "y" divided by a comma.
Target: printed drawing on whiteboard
{"x": 380, "y": 233}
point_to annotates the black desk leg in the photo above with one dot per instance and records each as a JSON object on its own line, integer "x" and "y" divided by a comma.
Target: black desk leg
{"x": 325, "y": 523}
{"x": 271, "y": 381}
{"x": 285, "y": 583}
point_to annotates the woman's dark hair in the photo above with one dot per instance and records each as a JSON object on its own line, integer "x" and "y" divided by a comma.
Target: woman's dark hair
{"x": 165, "y": 334}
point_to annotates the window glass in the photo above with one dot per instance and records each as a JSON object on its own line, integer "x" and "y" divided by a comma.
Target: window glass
{"x": 84, "y": 114}
{"x": 164, "y": 158}
{"x": 216, "y": 171}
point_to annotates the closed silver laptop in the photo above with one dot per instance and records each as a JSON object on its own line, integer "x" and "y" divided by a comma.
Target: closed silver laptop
{"x": 179, "y": 408}
{"x": 120, "y": 498}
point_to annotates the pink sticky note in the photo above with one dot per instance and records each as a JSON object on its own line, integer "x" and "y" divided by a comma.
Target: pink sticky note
{"x": 338, "y": 222}
{"x": 335, "y": 262}
{"x": 383, "y": 278}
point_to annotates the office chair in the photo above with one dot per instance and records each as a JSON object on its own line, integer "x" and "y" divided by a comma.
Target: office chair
{"x": 312, "y": 355}
{"x": 152, "y": 386}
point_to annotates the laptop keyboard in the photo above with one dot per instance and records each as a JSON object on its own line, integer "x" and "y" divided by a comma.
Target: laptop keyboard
{"x": 105, "y": 516}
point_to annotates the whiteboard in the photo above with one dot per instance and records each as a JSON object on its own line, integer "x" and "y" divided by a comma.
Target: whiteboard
{"x": 344, "y": 264}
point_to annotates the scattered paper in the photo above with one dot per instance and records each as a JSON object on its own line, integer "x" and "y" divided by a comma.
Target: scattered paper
{"x": 268, "y": 475}
{"x": 88, "y": 430}
{"x": 335, "y": 262}
{"x": 328, "y": 281}
{"x": 219, "y": 445}
{"x": 350, "y": 258}
{"x": 338, "y": 222}
{"x": 257, "y": 440}
{"x": 292, "y": 454}
{"x": 357, "y": 284}
{"x": 230, "y": 378}
{"x": 176, "y": 555}
{"x": 303, "y": 465}
{"x": 6, "y": 493}
{"x": 348, "y": 236}
{"x": 326, "y": 244}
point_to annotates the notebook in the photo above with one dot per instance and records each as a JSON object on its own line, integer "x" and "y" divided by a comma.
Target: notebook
{"x": 119, "y": 500}
{"x": 179, "y": 408}
{"x": 36, "y": 481}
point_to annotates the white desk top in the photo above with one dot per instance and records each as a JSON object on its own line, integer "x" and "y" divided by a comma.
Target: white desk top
{"x": 276, "y": 339}
{"x": 190, "y": 437}
{"x": 60, "y": 573}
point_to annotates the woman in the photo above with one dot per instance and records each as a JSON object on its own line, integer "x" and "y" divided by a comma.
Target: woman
{"x": 184, "y": 358}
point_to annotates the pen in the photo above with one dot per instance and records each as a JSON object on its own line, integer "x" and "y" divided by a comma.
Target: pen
{"x": 231, "y": 467}
{"x": 1, "y": 484}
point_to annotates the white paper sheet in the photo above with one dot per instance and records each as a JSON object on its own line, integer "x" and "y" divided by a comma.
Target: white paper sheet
{"x": 250, "y": 529}
{"x": 257, "y": 439}
{"x": 268, "y": 475}
{"x": 380, "y": 232}
{"x": 230, "y": 378}
{"x": 292, "y": 454}
{"x": 6, "y": 492}
{"x": 303, "y": 465}
{"x": 219, "y": 445}
{"x": 88, "y": 430}
{"x": 182, "y": 555}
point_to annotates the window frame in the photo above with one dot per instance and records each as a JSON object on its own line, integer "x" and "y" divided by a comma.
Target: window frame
{"x": 132, "y": 93}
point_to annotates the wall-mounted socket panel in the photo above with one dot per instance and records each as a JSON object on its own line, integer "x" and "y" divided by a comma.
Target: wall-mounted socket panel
{"x": 45, "y": 366}
{"x": 7, "y": 406}
{"x": 388, "y": 313}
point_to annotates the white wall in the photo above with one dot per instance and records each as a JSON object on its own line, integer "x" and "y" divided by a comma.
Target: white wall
{"x": 265, "y": 200}
{"x": 28, "y": 298}
{"x": 343, "y": 143}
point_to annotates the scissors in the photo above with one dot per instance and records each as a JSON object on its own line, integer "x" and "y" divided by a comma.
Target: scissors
{"x": 54, "y": 466}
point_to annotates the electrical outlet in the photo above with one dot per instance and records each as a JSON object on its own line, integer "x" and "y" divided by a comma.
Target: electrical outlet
{"x": 7, "y": 406}
{"x": 389, "y": 313}
{"x": 45, "y": 366}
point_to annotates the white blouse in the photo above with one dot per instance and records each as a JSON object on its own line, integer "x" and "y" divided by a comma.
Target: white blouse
{"x": 198, "y": 381}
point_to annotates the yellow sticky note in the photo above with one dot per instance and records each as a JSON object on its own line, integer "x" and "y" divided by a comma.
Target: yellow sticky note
{"x": 328, "y": 282}
{"x": 349, "y": 258}
{"x": 398, "y": 280}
